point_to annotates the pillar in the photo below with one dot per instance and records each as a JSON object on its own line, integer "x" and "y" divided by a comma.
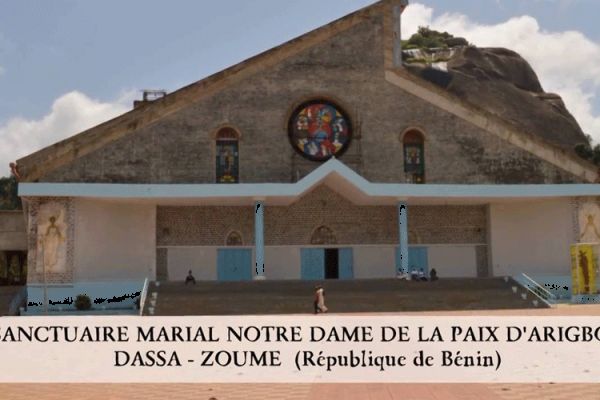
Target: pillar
{"x": 403, "y": 235}
{"x": 259, "y": 240}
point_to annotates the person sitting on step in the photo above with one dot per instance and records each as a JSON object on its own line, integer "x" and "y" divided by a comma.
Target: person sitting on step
{"x": 414, "y": 274}
{"x": 422, "y": 276}
{"x": 190, "y": 278}
{"x": 433, "y": 276}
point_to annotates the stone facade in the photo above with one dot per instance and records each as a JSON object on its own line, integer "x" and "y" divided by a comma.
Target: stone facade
{"x": 12, "y": 231}
{"x": 348, "y": 69}
{"x": 295, "y": 225}
{"x": 175, "y": 143}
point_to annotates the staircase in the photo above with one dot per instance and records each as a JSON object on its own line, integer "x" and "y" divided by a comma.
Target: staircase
{"x": 356, "y": 296}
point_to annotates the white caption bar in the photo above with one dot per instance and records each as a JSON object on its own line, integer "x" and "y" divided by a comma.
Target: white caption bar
{"x": 300, "y": 349}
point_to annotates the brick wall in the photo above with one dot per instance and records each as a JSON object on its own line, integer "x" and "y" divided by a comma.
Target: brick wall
{"x": 295, "y": 224}
{"x": 348, "y": 69}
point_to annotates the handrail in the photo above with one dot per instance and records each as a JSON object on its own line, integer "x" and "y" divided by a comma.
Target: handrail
{"x": 545, "y": 293}
{"x": 143, "y": 295}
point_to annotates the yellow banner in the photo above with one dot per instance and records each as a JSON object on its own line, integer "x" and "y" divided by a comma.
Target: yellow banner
{"x": 583, "y": 269}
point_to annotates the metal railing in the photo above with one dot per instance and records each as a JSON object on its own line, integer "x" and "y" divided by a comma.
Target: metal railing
{"x": 538, "y": 290}
{"x": 143, "y": 295}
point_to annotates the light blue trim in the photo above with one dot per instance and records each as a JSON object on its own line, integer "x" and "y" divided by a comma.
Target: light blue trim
{"x": 418, "y": 258}
{"x": 259, "y": 238}
{"x": 403, "y": 235}
{"x": 346, "y": 263}
{"x": 234, "y": 265}
{"x": 312, "y": 264}
{"x": 278, "y": 190}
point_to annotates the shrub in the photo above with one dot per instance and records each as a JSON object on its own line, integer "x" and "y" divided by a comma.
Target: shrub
{"x": 589, "y": 151}
{"x": 426, "y": 38}
{"x": 83, "y": 302}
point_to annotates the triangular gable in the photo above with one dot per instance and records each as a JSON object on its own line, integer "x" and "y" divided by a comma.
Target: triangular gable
{"x": 35, "y": 165}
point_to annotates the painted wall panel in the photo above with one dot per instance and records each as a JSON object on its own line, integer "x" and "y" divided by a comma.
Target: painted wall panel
{"x": 346, "y": 263}
{"x": 453, "y": 261}
{"x": 373, "y": 262}
{"x": 234, "y": 265}
{"x": 417, "y": 260}
{"x": 114, "y": 241}
{"x": 282, "y": 263}
{"x": 532, "y": 237}
{"x": 312, "y": 264}
{"x": 201, "y": 260}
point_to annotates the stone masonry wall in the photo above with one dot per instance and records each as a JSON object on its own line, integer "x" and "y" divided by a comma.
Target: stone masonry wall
{"x": 295, "y": 225}
{"x": 348, "y": 69}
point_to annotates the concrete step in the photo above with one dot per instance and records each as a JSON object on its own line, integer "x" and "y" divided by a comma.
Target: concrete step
{"x": 296, "y": 297}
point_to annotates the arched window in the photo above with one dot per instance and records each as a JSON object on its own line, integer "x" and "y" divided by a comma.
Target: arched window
{"x": 234, "y": 239}
{"x": 227, "y": 156}
{"x": 414, "y": 156}
{"x": 323, "y": 235}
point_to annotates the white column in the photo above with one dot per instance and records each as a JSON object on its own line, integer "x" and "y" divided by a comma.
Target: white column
{"x": 259, "y": 240}
{"x": 403, "y": 235}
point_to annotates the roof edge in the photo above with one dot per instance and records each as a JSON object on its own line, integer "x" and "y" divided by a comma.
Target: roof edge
{"x": 494, "y": 124}
{"x": 39, "y": 163}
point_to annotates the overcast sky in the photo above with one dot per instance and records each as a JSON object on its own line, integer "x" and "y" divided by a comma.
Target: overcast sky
{"x": 67, "y": 65}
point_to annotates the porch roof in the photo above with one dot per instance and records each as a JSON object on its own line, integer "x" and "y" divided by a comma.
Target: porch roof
{"x": 333, "y": 173}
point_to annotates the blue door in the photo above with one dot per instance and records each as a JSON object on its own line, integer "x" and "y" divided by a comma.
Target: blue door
{"x": 417, "y": 259}
{"x": 234, "y": 265}
{"x": 312, "y": 264}
{"x": 346, "y": 264}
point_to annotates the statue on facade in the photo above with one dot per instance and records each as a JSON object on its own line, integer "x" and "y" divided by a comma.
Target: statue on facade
{"x": 590, "y": 232}
{"x": 50, "y": 244}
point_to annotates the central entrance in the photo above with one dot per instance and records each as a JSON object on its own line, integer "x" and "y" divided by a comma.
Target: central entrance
{"x": 332, "y": 266}
{"x": 328, "y": 263}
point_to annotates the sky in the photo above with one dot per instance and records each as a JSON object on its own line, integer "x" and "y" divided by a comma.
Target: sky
{"x": 67, "y": 65}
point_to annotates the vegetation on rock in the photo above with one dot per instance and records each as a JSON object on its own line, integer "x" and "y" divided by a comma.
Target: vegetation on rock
{"x": 589, "y": 152}
{"x": 426, "y": 38}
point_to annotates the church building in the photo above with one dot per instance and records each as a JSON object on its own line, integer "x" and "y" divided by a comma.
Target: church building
{"x": 327, "y": 157}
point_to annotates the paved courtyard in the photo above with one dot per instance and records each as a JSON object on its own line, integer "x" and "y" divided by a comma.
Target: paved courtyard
{"x": 301, "y": 392}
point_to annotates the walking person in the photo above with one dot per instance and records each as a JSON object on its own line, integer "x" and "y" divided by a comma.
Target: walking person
{"x": 319, "y": 300}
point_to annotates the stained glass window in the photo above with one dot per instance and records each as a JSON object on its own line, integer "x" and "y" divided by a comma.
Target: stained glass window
{"x": 319, "y": 130}
{"x": 414, "y": 157}
{"x": 227, "y": 156}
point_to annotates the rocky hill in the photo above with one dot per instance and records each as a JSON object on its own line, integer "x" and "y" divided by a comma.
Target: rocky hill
{"x": 502, "y": 82}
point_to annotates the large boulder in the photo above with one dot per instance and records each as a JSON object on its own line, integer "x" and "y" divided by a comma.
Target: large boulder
{"x": 502, "y": 82}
